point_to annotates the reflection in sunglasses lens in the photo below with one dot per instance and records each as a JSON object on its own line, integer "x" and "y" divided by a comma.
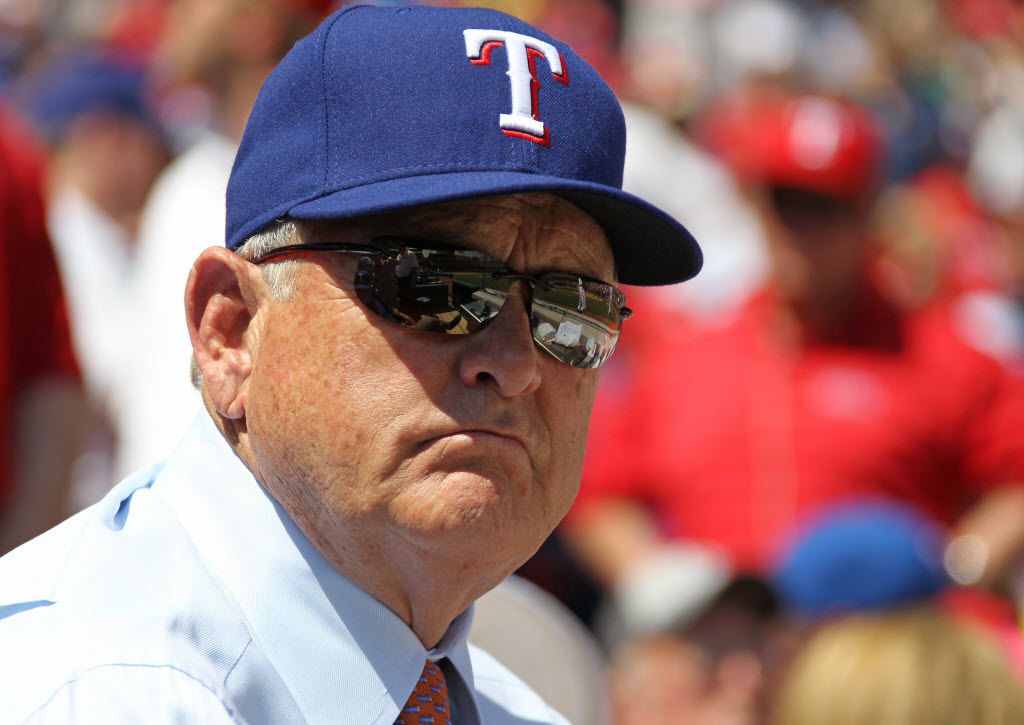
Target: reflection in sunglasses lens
{"x": 575, "y": 321}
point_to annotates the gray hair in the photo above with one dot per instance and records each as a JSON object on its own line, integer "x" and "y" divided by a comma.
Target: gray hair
{"x": 276, "y": 273}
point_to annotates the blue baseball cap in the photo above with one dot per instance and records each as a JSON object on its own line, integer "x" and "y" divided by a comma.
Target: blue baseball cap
{"x": 862, "y": 555}
{"x": 87, "y": 82}
{"x": 383, "y": 108}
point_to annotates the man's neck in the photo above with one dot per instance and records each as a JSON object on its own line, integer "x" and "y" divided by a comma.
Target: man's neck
{"x": 418, "y": 584}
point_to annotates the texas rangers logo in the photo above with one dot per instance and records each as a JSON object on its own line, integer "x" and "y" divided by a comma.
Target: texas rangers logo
{"x": 522, "y": 52}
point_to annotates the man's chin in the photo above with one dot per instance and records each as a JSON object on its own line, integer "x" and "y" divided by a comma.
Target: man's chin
{"x": 469, "y": 504}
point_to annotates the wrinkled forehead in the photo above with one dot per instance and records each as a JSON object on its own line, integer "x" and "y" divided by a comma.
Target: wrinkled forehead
{"x": 531, "y": 232}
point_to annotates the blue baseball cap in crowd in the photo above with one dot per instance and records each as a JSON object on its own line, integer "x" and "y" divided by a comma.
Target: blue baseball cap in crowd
{"x": 383, "y": 108}
{"x": 860, "y": 556}
{"x": 86, "y": 82}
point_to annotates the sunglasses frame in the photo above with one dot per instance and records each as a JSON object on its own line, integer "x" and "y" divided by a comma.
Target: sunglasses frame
{"x": 384, "y": 245}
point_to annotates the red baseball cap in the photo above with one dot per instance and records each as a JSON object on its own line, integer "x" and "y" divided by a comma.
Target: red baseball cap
{"x": 808, "y": 142}
{"x": 316, "y": 9}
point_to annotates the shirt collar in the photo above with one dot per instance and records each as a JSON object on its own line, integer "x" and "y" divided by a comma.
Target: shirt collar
{"x": 311, "y": 622}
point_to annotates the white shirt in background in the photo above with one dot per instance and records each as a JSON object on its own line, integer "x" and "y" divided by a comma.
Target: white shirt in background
{"x": 670, "y": 172}
{"x": 185, "y": 214}
{"x": 95, "y": 258}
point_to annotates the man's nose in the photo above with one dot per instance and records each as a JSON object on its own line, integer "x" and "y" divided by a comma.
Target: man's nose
{"x": 503, "y": 354}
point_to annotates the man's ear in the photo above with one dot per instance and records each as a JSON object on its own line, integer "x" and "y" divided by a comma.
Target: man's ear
{"x": 221, "y": 298}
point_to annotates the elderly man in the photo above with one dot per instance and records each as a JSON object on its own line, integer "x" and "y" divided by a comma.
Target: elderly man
{"x": 397, "y": 354}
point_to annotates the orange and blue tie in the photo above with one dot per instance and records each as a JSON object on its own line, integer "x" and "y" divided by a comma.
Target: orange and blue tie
{"x": 428, "y": 703}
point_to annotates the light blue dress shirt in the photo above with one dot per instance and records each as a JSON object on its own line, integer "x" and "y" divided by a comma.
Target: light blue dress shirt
{"x": 188, "y": 595}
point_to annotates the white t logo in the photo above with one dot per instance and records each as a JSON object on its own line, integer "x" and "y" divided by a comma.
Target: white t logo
{"x": 522, "y": 52}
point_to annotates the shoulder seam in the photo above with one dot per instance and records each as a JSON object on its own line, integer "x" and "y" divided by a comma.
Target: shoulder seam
{"x": 227, "y": 675}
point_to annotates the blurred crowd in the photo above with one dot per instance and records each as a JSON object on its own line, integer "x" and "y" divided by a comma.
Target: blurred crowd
{"x": 803, "y": 500}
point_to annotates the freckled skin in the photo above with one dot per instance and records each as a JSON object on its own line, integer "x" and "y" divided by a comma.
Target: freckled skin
{"x": 348, "y": 417}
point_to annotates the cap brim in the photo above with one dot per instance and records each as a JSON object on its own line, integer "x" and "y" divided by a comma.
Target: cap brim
{"x": 650, "y": 247}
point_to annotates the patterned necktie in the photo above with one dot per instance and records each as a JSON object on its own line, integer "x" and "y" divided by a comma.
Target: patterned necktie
{"x": 428, "y": 703}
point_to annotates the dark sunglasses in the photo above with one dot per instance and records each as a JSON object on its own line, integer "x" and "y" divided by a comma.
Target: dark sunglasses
{"x": 800, "y": 209}
{"x": 437, "y": 288}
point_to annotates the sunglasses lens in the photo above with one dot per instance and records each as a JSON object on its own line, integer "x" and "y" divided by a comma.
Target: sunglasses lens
{"x": 478, "y": 297}
{"x": 455, "y": 292}
{"x": 426, "y": 291}
{"x": 576, "y": 321}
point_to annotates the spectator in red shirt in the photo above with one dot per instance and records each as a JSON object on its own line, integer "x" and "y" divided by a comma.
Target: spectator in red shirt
{"x": 816, "y": 391}
{"x": 39, "y": 380}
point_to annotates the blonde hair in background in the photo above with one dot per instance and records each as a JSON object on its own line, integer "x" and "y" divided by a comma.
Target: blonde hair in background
{"x": 909, "y": 668}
